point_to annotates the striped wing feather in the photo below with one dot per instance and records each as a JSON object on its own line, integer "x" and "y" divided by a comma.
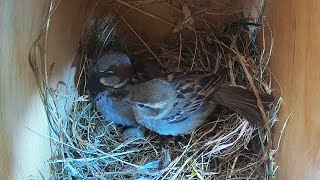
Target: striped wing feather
{"x": 192, "y": 88}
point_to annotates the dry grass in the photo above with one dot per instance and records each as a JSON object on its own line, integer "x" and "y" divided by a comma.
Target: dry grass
{"x": 86, "y": 146}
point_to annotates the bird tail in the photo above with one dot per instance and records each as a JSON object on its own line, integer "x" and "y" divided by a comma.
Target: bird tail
{"x": 243, "y": 102}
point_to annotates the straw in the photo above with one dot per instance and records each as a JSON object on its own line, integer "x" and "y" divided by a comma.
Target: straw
{"x": 86, "y": 146}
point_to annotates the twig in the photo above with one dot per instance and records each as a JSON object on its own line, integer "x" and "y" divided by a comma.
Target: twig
{"x": 195, "y": 50}
{"x": 180, "y": 50}
{"x": 148, "y": 14}
{"x": 232, "y": 78}
{"x": 86, "y": 160}
{"x": 232, "y": 167}
{"x": 242, "y": 61}
{"x": 281, "y": 134}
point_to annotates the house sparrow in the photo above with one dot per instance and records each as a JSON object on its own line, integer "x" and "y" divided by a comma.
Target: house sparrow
{"x": 114, "y": 69}
{"x": 180, "y": 102}
{"x": 108, "y": 87}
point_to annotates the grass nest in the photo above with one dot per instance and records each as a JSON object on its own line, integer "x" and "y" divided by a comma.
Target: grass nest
{"x": 85, "y": 146}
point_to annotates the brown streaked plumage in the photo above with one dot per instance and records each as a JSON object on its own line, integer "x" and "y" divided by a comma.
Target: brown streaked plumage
{"x": 190, "y": 97}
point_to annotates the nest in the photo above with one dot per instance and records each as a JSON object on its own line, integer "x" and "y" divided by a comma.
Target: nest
{"x": 86, "y": 146}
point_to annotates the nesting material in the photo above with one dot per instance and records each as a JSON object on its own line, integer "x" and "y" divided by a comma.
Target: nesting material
{"x": 226, "y": 147}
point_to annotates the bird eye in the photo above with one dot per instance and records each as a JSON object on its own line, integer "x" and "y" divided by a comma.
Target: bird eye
{"x": 141, "y": 105}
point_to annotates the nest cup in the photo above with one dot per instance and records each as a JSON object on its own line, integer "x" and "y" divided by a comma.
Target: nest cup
{"x": 212, "y": 36}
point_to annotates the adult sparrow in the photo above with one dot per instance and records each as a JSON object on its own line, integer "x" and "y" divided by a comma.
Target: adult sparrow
{"x": 180, "y": 102}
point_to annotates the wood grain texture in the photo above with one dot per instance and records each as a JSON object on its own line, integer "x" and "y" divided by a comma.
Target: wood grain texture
{"x": 24, "y": 152}
{"x": 296, "y": 64}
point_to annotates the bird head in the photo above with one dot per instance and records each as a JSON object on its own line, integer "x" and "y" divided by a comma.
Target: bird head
{"x": 113, "y": 69}
{"x": 152, "y": 99}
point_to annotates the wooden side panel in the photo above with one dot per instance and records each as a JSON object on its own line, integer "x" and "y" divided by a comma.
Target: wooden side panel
{"x": 296, "y": 64}
{"x": 24, "y": 152}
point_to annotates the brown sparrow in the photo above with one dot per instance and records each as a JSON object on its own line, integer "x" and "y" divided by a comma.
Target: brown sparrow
{"x": 180, "y": 102}
{"x": 108, "y": 87}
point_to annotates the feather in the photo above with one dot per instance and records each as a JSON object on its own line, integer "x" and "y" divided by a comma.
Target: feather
{"x": 243, "y": 102}
{"x": 194, "y": 87}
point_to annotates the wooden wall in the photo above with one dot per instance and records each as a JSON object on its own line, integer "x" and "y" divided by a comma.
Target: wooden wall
{"x": 23, "y": 152}
{"x": 295, "y": 63}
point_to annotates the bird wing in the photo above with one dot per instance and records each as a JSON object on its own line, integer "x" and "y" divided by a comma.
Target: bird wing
{"x": 192, "y": 90}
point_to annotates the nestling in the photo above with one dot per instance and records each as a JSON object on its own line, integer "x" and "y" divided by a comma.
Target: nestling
{"x": 114, "y": 69}
{"x": 180, "y": 102}
{"x": 108, "y": 86}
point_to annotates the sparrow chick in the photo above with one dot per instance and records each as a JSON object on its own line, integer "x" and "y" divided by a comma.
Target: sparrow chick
{"x": 114, "y": 69}
{"x": 107, "y": 84}
{"x": 180, "y": 102}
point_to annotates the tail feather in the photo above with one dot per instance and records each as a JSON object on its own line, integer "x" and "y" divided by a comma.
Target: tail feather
{"x": 243, "y": 102}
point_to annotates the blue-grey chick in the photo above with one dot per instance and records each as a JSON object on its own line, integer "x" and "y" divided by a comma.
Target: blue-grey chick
{"x": 180, "y": 102}
{"x": 108, "y": 87}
